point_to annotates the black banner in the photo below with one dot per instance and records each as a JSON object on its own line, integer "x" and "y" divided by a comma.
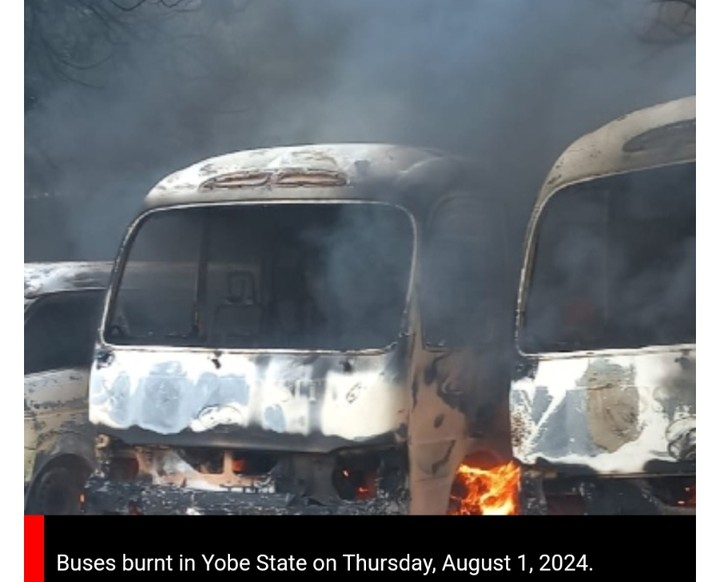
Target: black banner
{"x": 322, "y": 547}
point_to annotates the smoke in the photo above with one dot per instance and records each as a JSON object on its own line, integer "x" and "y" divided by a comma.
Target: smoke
{"x": 360, "y": 275}
{"x": 509, "y": 84}
{"x": 283, "y": 276}
{"x": 616, "y": 264}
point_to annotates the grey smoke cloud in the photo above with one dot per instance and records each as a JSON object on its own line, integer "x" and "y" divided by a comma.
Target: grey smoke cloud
{"x": 509, "y": 84}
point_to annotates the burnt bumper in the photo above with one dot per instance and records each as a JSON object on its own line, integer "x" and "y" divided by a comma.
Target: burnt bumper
{"x": 598, "y": 496}
{"x": 104, "y": 497}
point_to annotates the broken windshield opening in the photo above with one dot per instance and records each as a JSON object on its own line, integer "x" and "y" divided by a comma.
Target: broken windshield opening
{"x": 281, "y": 276}
{"x": 615, "y": 264}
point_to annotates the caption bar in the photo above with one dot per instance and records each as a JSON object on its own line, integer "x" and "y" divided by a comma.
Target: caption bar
{"x": 316, "y": 547}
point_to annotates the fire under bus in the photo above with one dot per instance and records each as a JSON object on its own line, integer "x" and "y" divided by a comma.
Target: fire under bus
{"x": 311, "y": 329}
{"x": 603, "y": 394}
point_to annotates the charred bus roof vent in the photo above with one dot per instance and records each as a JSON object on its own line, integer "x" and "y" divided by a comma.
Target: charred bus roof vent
{"x": 284, "y": 178}
{"x": 311, "y": 178}
{"x": 236, "y": 180}
{"x": 671, "y": 136}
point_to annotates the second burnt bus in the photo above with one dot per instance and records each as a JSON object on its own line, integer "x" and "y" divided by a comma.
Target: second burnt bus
{"x": 307, "y": 336}
{"x": 603, "y": 399}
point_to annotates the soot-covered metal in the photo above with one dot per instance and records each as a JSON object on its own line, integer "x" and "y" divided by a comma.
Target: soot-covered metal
{"x": 62, "y": 306}
{"x": 602, "y": 401}
{"x": 270, "y": 303}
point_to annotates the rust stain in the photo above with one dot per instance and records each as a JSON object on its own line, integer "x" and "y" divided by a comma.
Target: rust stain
{"x": 613, "y": 404}
{"x": 521, "y": 429}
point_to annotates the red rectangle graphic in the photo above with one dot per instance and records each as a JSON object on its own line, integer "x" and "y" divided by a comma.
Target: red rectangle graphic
{"x": 34, "y": 548}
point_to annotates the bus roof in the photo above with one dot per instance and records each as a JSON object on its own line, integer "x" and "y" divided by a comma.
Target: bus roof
{"x": 302, "y": 172}
{"x": 46, "y": 277}
{"x": 650, "y": 137}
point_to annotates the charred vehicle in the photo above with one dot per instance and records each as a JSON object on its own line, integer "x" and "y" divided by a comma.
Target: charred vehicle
{"x": 321, "y": 330}
{"x": 63, "y": 303}
{"x": 603, "y": 395}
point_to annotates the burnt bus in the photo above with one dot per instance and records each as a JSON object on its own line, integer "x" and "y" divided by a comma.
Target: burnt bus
{"x": 321, "y": 329}
{"x": 603, "y": 394}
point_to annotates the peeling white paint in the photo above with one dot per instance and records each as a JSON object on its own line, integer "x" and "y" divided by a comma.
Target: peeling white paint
{"x": 560, "y": 381}
{"x": 168, "y": 392}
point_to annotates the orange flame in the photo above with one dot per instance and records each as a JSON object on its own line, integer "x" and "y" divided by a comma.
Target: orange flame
{"x": 491, "y": 491}
{"x": 363, "y": 492}
{"x": 691, "y": 497}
